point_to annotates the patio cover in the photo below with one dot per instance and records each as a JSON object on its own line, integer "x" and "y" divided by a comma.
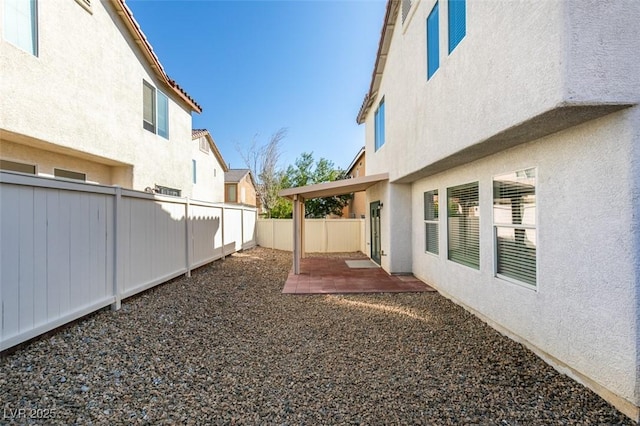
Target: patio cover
{"x": 321, "y": 190}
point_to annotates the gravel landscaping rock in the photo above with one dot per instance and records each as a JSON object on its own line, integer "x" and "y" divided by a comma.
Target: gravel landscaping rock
{"x": 226, "y": 347}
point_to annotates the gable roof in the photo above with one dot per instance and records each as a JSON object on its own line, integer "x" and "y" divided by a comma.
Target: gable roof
{"x": 141, "y": 40}
{"x": 236, "y": 175}
{"x": 393, "y": 6}
{"x": 198, "y": 133}
{"x": 355, "y": 160}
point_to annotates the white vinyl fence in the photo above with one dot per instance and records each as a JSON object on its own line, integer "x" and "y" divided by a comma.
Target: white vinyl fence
{"x": 321, "y": 235}
{"x": 68, "y": 249}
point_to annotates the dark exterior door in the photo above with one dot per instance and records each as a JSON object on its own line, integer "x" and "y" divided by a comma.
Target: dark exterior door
{"x": 374, "y": 210}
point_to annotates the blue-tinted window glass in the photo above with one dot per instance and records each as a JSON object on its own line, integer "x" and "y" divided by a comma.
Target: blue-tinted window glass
{"x": 163, "y": 115}
{"x": 457, "y": 22}
{"x": 379, "y": 125}
{"x": 20, "y": 24}
{"x": 433, "y": 42}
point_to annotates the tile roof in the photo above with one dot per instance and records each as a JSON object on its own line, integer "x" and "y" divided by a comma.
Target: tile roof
{"x": 141, "y": 40}
{"x": 235, "y": 175}
{"x": 196, "y": 133}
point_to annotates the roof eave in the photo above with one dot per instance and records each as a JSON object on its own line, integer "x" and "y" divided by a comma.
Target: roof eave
{"x": 138, "y": 36}
{"x": 388, "y": 26}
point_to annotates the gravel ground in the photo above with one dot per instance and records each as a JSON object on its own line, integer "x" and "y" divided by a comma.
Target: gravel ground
{"x": 226, "y": 347}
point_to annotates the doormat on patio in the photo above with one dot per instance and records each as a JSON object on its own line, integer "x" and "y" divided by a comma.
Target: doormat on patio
{"x": 361, "y": 264}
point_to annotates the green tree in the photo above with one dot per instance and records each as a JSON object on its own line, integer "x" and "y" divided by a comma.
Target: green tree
{"x": 307, "y": 172}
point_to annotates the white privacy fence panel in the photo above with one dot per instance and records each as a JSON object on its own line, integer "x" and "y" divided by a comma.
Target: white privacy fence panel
{"x": 68, "y": 249}
{"x": 232, "y": 234}
{"x": 206, "y": 229}
{"x": 321, "y": 235}
{"x": 152, "y": 237}
{"x": 249, "y": 218}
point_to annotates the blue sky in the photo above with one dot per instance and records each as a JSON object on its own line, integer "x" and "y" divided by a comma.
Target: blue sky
{"x": 258, "y": 66}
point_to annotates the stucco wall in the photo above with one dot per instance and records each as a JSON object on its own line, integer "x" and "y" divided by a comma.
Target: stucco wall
{"x": 84, "y": 91}
{"x": 47, "y": 161}
{"x": 584, "y": 309}
{"x": 518, "y": 60}
{"x": 210, "y": 175}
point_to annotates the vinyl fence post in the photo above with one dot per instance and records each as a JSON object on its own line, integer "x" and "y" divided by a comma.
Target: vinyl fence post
{"x": 117, "y": 206}
{"x": 189, "y": 236}
{"x": 222, "y": 227}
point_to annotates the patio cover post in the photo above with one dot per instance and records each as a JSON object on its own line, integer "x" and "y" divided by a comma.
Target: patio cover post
{"x": 298, "y": 219}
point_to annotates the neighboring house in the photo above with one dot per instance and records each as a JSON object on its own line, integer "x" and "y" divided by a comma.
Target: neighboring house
{"x": 357, "y": 207}
{"x": 510, "y": 132}
{"x": 239, "y": 187}
{"x": 208, "y": 168}
{"x": 90, "y": 100}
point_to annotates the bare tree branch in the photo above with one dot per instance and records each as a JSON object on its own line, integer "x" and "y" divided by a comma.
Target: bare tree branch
{"x": 263, "y": 161}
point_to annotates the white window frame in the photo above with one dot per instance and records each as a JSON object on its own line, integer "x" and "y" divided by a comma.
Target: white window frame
{"x": 435, "y": 221}
{"x": 449, "y": 229}
{"x": 497, "y": 225}
{"x": 157, "y": 97}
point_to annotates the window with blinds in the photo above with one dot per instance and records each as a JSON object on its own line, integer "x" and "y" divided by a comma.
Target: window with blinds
{"x": 514, "y": 220}
{"x": 457, "y": 22}
{"x": 148, "y": 107}
{"x": 463, "y": 218}
{"x": 433, "y": 41}
{"x": 431, "y": 221}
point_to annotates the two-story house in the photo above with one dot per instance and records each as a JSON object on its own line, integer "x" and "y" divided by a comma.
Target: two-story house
{"x": 83, "y": 96}
{"x": 511, "y": 135}
{"x": 208, "y": 168}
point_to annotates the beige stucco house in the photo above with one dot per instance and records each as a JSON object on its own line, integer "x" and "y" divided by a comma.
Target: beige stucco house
{"x": 240, "y": 187}
{"x": 90, "y": 100}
